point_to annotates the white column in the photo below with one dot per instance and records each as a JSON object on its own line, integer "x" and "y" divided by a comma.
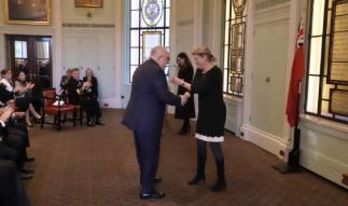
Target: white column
{"x": 216, "y": 29}
{"x": 248, "y": 73}
{"x": 57, "y": 43}
{"x": 119, "y": 50}
{"x": 198, "y": 22}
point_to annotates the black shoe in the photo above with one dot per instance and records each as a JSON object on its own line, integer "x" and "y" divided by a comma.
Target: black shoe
{"x": 90, "y": 124}
{"x": 198, "y": 179}
{"x": 99, "y": 123}
{"x": 219, "y": 185}
{"x": 155, "y": 195}
{"x": 26, "y": 171}
{"x": 26, "y": 177}
{"x": 157, "y": 180}
{"x": 29, "y": 159}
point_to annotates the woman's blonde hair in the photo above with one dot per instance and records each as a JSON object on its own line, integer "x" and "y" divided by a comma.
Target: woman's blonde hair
{"x": 204, "y": 51}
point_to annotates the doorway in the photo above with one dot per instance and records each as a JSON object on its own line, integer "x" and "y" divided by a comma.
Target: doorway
{"x": 31, "y": 54}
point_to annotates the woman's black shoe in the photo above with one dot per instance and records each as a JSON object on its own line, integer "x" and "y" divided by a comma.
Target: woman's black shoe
{"x": 90, "y": 124}
{"x": 198, "y": 179}
{"x": 219, "y": 185}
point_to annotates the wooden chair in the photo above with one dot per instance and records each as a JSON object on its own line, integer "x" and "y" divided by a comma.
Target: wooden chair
{"x": 49, "y": 97}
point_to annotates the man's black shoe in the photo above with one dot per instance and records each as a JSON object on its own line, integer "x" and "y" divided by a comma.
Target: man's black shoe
{"x": 155, "y": 195}
{"x": 99, "y": 123}
{"x": 26, "y": 177}
{"x": 26, "y": 171}
{"x": 29, "y": 159}
{"x": 157, "y": 180}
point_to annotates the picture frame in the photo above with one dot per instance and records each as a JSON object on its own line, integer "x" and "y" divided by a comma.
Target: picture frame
{"x": 27, "y": 12}
{"x": 89, "y": 3}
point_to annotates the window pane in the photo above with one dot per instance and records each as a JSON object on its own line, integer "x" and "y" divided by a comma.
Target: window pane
{"x": 313, "y": 94}
{"x": 43, "y": 50}
{"x": 134, "y": 56}
{"x": 325, "y": 108}
{"x": 21, "y": 49}
{"x": 315, "y": 56}
{"x": 318, "y": 16}
{"x": 167, "y": 17}
{"x": 134, "y": 40}
{"x": 167, "y": 38}
{"x": 132, "y": 70}
{"x": 134, "y": 19}
{"x": 326, "y": 89}
{"x": 167, "y": 3}
{"x": 135, "y": 4}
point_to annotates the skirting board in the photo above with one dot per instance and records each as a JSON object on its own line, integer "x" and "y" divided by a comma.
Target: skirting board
{"x": 264, "y": 140}
{"x": 323, "y": 166}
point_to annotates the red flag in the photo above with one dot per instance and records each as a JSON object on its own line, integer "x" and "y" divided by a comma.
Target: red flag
{"x": 298, "y": 68}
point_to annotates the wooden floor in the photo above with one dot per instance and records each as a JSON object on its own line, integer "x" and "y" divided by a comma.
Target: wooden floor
{"x": 97, "y": 167}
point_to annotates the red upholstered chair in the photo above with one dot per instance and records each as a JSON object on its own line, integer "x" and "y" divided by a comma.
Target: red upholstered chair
{"x": 49, "y": 97}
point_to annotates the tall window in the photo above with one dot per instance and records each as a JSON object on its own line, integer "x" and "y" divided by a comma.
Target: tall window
{"x": 234, "y": 46}
{"x": 327, "y": 75}
{"x": 148, "y": 27}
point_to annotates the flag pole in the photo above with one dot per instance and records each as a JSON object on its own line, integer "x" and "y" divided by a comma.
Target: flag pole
{"x": 293, "y": 163}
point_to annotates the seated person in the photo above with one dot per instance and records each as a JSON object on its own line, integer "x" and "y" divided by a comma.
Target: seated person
{"x": 79, "y": 93}
{"x": 93, "y": 95}
{"x": 12, "y": 192}
{"x": 15, "y": 133}
{"x": 23, "y": 90}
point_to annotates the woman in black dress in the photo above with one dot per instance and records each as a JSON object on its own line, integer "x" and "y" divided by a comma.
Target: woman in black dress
{"x": 188, "y": 111}
{"x": 207, "y": 83}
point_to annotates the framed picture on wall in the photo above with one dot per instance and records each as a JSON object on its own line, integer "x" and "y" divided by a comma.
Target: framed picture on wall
{"x": 30, "y": 12}
{"x": 89, "y": 3}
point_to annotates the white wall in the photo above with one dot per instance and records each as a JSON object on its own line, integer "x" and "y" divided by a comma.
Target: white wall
{"x": 82, "y": 42}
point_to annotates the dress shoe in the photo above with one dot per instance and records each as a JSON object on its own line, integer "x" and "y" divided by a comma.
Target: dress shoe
{"x": 198, "y": 179}
{"x": 157, "y": 180}
{"x": 99, "y": 123}
{"x": 26, "y": 176}
{"x": 29, "y": 159}
{"x": 219, "y": 186}
{"x": 90, "y": 124}
{"x": 26, "y": 171}
{"x": 154, "y": 195}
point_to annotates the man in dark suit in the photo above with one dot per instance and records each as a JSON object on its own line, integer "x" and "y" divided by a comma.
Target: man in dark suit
{"x": 145, "y": 115}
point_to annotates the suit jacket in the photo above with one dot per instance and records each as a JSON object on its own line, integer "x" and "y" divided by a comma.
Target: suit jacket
{"x": 149, "y": 96}
{"x": 72, "y": 87}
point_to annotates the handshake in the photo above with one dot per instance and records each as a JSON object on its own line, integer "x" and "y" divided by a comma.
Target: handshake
{"x": 184, "y": 98}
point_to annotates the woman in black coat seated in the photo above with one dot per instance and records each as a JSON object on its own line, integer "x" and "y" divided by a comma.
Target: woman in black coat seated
{"x": 92, "y": 95}
{"x": 186, "y": 73}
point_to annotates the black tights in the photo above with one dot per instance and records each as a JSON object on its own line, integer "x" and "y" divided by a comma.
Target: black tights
{"x": 215, "y": 148}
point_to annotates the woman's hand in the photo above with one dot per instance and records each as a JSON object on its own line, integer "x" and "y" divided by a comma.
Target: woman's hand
{"x": 176, "y": 81}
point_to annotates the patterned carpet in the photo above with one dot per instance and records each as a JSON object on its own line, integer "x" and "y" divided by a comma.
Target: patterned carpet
{"x": 97, "y": 167}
